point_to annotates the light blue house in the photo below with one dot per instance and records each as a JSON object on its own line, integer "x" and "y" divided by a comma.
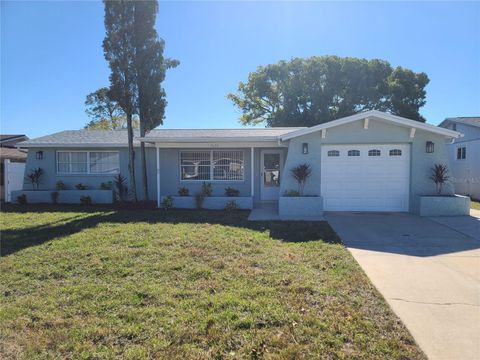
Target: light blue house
{"x": 371, "y": 161}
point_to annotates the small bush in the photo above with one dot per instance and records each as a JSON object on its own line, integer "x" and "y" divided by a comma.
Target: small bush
{"x": 291, "y": 193}
{"x": 231, "y": 192}
{"x": 54, "y": 197}
{"x": 106, "y": 185}
{"x": 183, "y": 191}
{"x": 34, "y": 177}
{"x": 81, "y": 186}
{"x": 22, "y": 199}
{"x": 231, "y": 205}
{"x": 85, "y": 200}
{"x": 167, "y": 202}
{"x": 121, "y": 191}
{"x": 207, "y": 189}
{"x": 60, "y": 185}
{"x": 199, "y": 197}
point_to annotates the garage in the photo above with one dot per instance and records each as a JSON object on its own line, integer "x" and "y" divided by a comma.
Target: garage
{"x": 373, "y": 177}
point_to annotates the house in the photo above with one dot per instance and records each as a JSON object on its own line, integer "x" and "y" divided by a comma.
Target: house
{"x": 464, "y": 155}
{"x": 371, "y": 161}
{"x": 8, "y": 151}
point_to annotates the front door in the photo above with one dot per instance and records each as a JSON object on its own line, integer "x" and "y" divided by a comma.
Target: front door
{"x": 271, "y": 167}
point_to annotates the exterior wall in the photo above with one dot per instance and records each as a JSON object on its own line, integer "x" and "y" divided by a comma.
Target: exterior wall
{"x": 378, "y": 132}
{"x": 443, "y": 205}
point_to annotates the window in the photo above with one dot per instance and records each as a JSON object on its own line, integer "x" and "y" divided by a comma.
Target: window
{"x": 333, "y": 153}
{"x": 353, "y": 152}
{"x": 218, "y": 165}
{"x": 461, "y": 153}
{"x": 395, "y": 152}
{"x": 86, "y": 162}
{"x": 374, "y": 152}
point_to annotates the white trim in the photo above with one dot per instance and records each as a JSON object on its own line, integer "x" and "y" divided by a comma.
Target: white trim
{"x": 412, "y": 132}
{"x": 252, "y": 178}
{"x": 88, "y": 173}
{"x": 365, "y": 123}
{"x": 374, "y": 114}
{"x": 159, "y": 197}
{"x": 324, "y": 133}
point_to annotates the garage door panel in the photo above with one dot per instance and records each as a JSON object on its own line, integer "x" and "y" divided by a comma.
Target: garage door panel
{"x": 365, "y": 183}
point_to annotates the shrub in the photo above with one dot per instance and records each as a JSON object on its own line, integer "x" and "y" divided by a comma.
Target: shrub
{"x": 60, "y": 185}
{"x": 106, "y": 185}
{"x": 206, "y": 189}
{"x": 231, "y": 192}
{"x": 54, "y": 197}
{"x": 34, "y": 177}
{"x": 167, "y": 202}
{"x": 85, "y": 200}
{"x": 199, "y": 197}
{"x": 231, "y": 205}
{"x": 291, "y": 193}
{"x": 81, "y": 186}
{"x": 183, "y": 191}
{"x": 439, "y": 176}
{"x": 301, "y": 173}
{"x": 22, "y": 199}
{"x": 121, "y": 187}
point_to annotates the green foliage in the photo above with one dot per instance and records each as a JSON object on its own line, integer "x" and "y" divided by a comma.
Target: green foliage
{"x": 315, "y": 90}
{"x": 85, "y": 200}
{"x": 231, "y": 192}
{"x": 106, "y": 185}
{"x": 35, "y": 177}
{"x": 301, "y": 173}
{"x": 291, "y": 193}
{"x": 206, "y": 189}
{"x": 231, "y": 205}
{"x": 183, "y": 191}
{"x": 439, "y": 176}
{"x": 81, "y": 186}
{"x": 60, "y": 185}
{"x": 54, "y": 196}
{"x": 167, "y": 202}
{"x": 22, "y": 199}
{"x": 121, "y": 187}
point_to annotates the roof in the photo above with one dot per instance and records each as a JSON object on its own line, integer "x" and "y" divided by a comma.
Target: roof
{"x": 82, "y": 138}
{"x": 377, "y": 115}
{"x": 470, "y": 120}
{"x": 4, "y": 137}
{"x": 225, "y": 135}
{"x": 13, "y": 154}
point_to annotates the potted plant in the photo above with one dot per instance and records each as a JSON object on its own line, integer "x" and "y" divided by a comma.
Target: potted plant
{"x": 301, "y": 173}
{"x": 439, "y": 176}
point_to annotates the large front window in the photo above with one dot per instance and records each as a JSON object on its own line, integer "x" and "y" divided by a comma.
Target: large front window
{"x": 218, "y": 165}
{"x": 88, "y": 162}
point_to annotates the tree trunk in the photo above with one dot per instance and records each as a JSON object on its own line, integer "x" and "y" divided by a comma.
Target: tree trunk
{"x": 144, "y": 161}
{"x": 131, "y": 157}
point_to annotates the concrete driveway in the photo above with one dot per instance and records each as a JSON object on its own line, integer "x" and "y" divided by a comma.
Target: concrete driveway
{"x": 428, "y": 270}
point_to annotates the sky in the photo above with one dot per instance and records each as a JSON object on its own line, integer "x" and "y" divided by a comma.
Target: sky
{"x": 52, "y": 57}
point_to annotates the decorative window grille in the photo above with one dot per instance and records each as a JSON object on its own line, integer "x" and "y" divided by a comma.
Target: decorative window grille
{"x": 333, "y": 153}
{"x": 395, "y": 152}
{"x": 86, "y": 162}
{"x": 374, "y": 152}
{"x": 353, "y": 152}
{"x": 218, "y": 165}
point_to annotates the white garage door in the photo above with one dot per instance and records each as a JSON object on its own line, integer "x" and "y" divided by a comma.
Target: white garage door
{"x": 365, "y": 177}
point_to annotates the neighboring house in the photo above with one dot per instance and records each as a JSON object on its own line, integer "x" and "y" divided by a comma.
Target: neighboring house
{"x": 464, "y": 155}
{"x": 372, "y": 161}
{"x": 8, "y": 151}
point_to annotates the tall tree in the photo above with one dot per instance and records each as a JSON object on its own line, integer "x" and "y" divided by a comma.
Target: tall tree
{"x": 105, "y": 113}
{"x": 119, "y": 51}
{"x": 306, "y": 92}
{"x": 150, "y": 67}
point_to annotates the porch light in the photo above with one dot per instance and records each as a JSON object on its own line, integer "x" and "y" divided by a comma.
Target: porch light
{"x": 39, "y": 155}
{"x": 429, "y": 147}
{"x": 305, "y": 148}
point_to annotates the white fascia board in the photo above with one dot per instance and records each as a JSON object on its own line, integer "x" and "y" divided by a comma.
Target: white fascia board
{"x": 379, "y": 115}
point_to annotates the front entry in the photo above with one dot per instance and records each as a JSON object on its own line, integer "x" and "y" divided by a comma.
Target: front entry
{"x": 271, "y": 166}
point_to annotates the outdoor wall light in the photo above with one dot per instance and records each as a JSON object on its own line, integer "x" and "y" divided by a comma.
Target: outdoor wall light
{"x": 39, "y": 155}
{"x": 429, "y": 147}
{"x": 305, "y": 148}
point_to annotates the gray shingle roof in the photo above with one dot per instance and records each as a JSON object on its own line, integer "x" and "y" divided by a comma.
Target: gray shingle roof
{"x": 473, "y": 120}
{"x": 226, "y": 134}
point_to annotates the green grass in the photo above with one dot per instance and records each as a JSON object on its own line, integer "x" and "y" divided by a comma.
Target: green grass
{"x": 475, "y": 205}
{"x": 100, "y": 283}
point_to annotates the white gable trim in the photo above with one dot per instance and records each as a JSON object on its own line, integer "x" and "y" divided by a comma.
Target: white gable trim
{"x": 374, "y": 114}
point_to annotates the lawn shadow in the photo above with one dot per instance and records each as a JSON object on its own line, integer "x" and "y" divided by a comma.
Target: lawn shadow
{"x": 13, "y": 240}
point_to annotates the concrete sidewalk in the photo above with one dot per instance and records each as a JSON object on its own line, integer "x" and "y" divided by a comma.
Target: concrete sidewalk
{"x": 428, "y": 272}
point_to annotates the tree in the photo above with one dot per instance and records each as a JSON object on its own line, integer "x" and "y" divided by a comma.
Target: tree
{"x": 150, "y": 68}
{"x": 119, "y": 51}
{"x": 105, "y": 113}
{"x": 306, "y": 92}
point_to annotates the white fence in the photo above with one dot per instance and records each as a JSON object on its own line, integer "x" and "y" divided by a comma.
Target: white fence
{"x": 13, "y": 177}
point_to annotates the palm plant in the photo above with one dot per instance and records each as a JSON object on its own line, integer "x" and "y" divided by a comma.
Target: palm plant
{"x": 301, "y": 173}
{"x": 35, "y": 176}
{"x": 439, "y": 176}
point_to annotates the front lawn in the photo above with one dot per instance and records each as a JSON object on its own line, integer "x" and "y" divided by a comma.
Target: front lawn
{"x": 100, "y": 283}
{"x": 475, "y": 205}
